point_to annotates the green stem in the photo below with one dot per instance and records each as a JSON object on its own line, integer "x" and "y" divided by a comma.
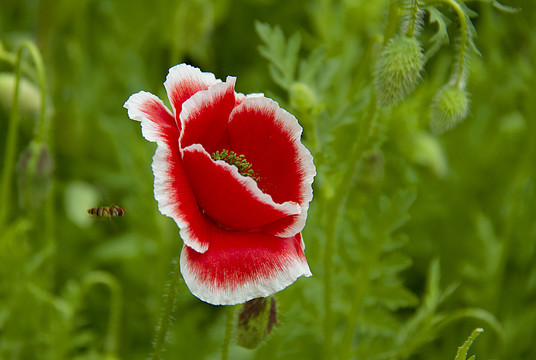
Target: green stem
{"x": 163, "y": 324}
{"x": 114, "y": 319}
{"x": 354, "y": 315}
{"x": 331, "y": 219}
{"x": 413, "y": 23}
{"x": 392, "y": 21}
{"x": 11, "y": 144}
{"x": 334, "y": 208}
{"x": 14, "y": 120}
{"x": 228, "y": 333}
{"x": 459, "y": 70}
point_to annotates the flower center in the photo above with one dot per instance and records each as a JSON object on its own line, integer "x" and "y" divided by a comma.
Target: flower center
{"x": 232, "y": 158}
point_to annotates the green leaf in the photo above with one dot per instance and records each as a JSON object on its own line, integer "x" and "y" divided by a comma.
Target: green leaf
{"x": 462, "y": 350}
{"x": 392, "y": 263}
{"x": 441, "y": 36}
{"x": 377, "y": 320}
{"x": 393, "y": 297}
{"x": 508, "y": 9}
{"x": 282, "y": 54}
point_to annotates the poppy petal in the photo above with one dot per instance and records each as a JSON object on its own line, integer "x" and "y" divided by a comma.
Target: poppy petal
{"x": 240, "y": 266}
{"x": 171, "y": 188}
{"x": 205, "y": 115}
{"x": 232, "y": 200}
{"x": 269, "y": 137}
{"x": 157, "y": 122}
{"x": 183, "y": 81}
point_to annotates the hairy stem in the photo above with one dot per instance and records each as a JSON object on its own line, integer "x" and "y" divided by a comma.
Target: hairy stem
{"x": 228, "y": 333}
{"x": 169, "y": 303}
{"x": 459, "y": 70}
{"x": 114, "y": 318}
{"x": 413, "y": 18}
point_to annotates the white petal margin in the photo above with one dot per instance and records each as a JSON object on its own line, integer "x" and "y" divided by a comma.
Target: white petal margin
{"x": 290, "y": 125}
{"x": 249, "y": 185}
{"x": 134, "y": 105}
{"x": 290, "y": 122}
{"x": 283, "y": 275}
{"x": 183, "y": 77}
{"x": 167, "y": 204}
{"x": 163, "y": 186}
{"x": 199, "y": 102}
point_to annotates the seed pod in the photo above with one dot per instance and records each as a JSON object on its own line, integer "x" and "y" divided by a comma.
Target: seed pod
{"x": 255, "y": 322}
{"x": 398, "y": 69}
{"x": 449, "y": 107}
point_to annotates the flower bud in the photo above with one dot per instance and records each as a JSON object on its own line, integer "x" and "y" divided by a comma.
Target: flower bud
{"x": 29, "y": 94}
{"x": 449, "y": 107}
{"x": 255, "y": 322}
{"x": 35, "y": 173}
{"x": 398, "y": 69}
{"x": 303, "y": 98}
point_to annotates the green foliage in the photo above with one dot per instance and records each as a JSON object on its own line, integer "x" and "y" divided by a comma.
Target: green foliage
{"x": 462, "y": 350}
{"x": 413, "y": 239}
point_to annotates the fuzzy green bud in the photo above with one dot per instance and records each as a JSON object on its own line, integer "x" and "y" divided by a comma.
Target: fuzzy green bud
{"x": 29, "y": 94}
{"x": 398, "y": 69}
{"x": 303, "y": 98}
{"x": 255, "y": 322}
{"x": 449, "y": 107}
{"x": 34, "y": 170}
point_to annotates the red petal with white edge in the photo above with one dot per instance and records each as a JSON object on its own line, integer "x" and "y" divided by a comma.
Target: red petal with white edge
{"x": 171, "y": 188}
{"x": 205, "y": 116}
{"x": 230, "y": 199}
{"x": 183, "y": 81}
{"x": 240, "y": 266}
{"x": 157, "y": 123}
{"x": 269, "y": 138}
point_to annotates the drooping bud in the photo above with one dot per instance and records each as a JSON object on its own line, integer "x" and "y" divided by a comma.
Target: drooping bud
{"x": 449, "y": 107}
{"x": 398, "y": 69}
{"x": 34, "y": 170}
{"x": 255, "y": 322}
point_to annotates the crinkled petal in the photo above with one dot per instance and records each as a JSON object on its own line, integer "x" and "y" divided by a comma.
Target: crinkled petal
{"x": 232, "y": 200}
{"x": 171, "y": 188}
{"x": 270, "y": 139}
{"x": 205, "y": 116}
{"x": 240, "y": 266}
{"x": 182, "y": 82}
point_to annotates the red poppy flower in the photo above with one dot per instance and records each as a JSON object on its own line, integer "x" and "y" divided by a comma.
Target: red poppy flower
{"x": 231, "y": 171}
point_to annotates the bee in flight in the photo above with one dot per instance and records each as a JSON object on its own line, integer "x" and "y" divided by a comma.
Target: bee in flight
{"x": 107, "y": 211}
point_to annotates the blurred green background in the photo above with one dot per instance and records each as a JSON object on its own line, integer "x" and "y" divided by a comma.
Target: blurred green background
{"x": 428, "y": 237}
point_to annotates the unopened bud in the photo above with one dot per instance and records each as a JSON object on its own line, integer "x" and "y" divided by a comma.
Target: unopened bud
{"x": 255, "y": 322}
{"x": 398, "y": 69}
{"x": 449, "y": 107}
{"x": 29, "y": 94}
{"x": 303, "y": 98}
{"x": 34, "y": 169}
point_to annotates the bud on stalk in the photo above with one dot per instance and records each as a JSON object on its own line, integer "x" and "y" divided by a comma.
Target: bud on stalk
{"x": 398, "y": 69}
{"x": 255, "y": 322}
